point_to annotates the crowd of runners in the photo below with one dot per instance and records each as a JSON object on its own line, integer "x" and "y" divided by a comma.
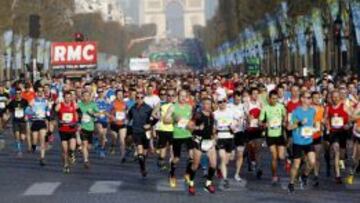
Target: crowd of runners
{"x": 304, "y": 122}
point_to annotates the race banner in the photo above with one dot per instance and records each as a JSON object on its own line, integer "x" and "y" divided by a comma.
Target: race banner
{"x": 73, "y": 53}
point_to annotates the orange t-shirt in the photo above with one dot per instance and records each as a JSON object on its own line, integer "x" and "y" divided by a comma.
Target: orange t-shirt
{"x": 29, "y": 96}
{"x": 319, "y": 118}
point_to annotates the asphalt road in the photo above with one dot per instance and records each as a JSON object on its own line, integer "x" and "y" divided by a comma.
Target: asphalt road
{"x": 23, "y": 180}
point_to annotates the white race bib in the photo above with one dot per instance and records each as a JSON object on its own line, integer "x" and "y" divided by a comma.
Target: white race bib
{"x": 254, "y": 123}
{"x": 2, "y": 105}
{"x": 19, "y": 113}
{"x": 86, "y": 118}
{"x": 67, "y": 117}
{"x": 206, "y": 145}
{"x": 275, "y": 123}
{"x": 224, "y": 122}
{"x": 307, "y": 132}
{"x": 40, "y": 113}
{"x": 182, "y": 123}
{"x": 337, "y": 122}
{"x": 102, "y": 114}
{"x": 119, "y": 116}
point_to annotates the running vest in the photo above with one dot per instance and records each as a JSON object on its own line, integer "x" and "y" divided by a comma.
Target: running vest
{"x": 67, "y": 117}
{"x": 164, "y": 127}
{"x": 338, "y": 118}
{"x": 181, "y": 116}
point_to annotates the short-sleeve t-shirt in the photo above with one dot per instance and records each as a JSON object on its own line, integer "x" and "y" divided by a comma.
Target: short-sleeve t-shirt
{"x": 87, "y": 121}
{"x": 303, "y": 135}
{"x": 273, "y": 115}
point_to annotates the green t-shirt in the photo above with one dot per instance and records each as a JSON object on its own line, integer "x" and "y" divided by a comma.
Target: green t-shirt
{"x": 87, "y": 121}
{"x": 274, "y": 116}
{"x": 181, "y": 116}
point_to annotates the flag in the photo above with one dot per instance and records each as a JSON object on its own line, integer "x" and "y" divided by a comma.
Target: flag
{"x": 18, "y": 52}
{"x": 27, "y": 50}
{"x": 355, "y": 10}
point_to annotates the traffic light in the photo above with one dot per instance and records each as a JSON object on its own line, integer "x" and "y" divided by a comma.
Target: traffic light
{"x": 79, "y": 37}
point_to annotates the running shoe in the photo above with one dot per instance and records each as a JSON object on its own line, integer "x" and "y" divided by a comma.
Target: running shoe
{"x": 172, "y": 182}
{"x": 350, "y": 179}
{"x": 210, "y": 188}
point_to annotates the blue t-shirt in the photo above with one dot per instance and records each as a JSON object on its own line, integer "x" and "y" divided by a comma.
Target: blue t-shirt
{"x": 39, "y": 110}
{"x": 103, "y": 107}
{"x": 302, "y": 135}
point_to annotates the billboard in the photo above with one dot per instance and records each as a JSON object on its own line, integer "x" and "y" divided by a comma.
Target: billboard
{"x": 139, "y": 64}
{"x": 73, "y": 53}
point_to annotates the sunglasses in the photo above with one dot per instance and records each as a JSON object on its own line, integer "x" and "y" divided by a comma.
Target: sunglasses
{"x": 171, "y": 95}
{"x": 221, "y": 102}
{"x": 139, "y": 97}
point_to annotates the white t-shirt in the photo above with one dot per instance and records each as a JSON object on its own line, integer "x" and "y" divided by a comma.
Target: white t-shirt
{"x": 152, "y": 100}
{"x": 239, "y": 117}
{"x": 224, "y": 119}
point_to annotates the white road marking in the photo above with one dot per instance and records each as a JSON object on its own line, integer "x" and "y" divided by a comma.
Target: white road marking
{"x": 102, "y": 187}
{"x": 42, "y": 188}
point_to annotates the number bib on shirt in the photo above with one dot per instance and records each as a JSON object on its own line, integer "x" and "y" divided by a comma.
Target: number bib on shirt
{"x": 182, "y": 123}
{"x": 40, "y": 113}
{"x": 119, "y": 116}
{"x": 86, "y": 118}
{"x": 254, "y": 123}
{"x": 337, "y": 122}
{"x": 2, "y": 105}
{"x": 102, "y": 114}
{"x": 67, "y": 117}
{"x": 206, "y": 145}
{"x": 275, "y": 123}
{"x": 224, "y": 122}
{"x": 307, "y": 132}
{"x": 19, "y": 113}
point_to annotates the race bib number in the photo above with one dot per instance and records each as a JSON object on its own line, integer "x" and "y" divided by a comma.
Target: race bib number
{"x": 119, "y": 116}
{"x": 2, "y": 105}
{"x": 182, "y": 123}
{"x": 224, "y": 122}
{"x": 206, "y": 145}
{"x": 86, "y": 118}
{"x": 67, "y": 117}
{"x": 254, "y": 123}
{"x": 19, "y": 113}
{"x": 40, "y": 113}
{"x": 307, "y": 132}
{"x": 275, "y": 123}
{"x": 337, "y": 122}
{"x": 102, "y": 114}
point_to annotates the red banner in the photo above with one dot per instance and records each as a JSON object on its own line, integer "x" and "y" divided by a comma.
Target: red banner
{"x": 73, "y": 53}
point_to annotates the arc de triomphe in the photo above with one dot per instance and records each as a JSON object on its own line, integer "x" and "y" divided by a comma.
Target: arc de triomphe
{"x": 154, "y": 11}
